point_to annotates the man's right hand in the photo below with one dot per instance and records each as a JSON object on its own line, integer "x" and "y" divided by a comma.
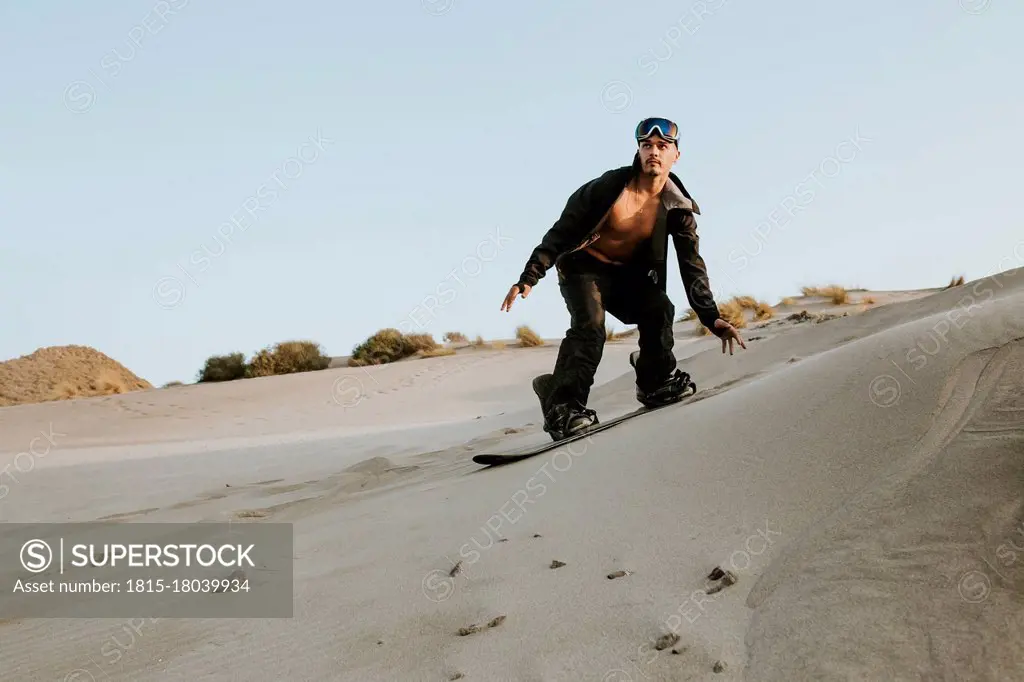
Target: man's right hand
{"x": 516, "y": 289}
{"x": 727, "y": 335}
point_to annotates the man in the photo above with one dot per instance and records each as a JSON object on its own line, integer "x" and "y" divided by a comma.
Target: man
{"x": 609, "y": 247}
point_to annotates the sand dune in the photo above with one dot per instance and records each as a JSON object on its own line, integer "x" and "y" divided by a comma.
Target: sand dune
{"x": 860, "y": 478}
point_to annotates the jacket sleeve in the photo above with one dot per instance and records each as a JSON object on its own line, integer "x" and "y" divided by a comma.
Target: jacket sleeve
{"x": 567, "y": 231}
{"x": 694, "y": 272}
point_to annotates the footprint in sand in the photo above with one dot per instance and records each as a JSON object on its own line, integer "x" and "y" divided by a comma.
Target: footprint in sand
{"x": 127, "y": 515}
{"x": 493, "y": 623}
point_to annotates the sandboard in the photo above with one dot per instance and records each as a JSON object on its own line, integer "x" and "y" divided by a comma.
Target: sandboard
{"x": 497, "y": 458}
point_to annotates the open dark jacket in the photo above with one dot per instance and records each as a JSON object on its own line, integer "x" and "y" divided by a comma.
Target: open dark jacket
{"x": 577, "y": 228}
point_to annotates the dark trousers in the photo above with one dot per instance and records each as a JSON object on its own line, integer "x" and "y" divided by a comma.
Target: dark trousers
{"x": 591, "y": 288}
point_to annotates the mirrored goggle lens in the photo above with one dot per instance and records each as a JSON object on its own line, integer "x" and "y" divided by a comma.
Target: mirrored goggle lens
{"x": 662, "y": 126}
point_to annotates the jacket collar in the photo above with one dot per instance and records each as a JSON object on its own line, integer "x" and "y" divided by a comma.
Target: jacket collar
{"x": 674, "y": 196}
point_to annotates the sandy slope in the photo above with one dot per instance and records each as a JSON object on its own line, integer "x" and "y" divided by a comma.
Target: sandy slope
{"x": 862, "y": 478}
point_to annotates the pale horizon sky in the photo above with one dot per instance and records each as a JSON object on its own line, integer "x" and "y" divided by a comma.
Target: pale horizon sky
{"x": 380, "y": 159}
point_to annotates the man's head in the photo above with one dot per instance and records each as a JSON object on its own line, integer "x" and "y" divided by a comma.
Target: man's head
{"x": 658, "y": 142}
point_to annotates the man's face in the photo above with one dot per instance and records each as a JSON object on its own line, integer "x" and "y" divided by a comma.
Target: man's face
{"x": 657, "y": 155}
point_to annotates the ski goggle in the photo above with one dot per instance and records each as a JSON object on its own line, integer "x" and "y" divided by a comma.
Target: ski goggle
{"x": 660, "y": 126}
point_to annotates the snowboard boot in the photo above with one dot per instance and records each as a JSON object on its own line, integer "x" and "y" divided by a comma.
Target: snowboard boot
{"x": 568, "y": 419}
{"x": 561, "y": 421}
{"x": 676, "y": 386}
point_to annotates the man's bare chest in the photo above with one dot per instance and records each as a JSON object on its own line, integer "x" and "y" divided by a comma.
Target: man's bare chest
{"x": 631, "y": 218}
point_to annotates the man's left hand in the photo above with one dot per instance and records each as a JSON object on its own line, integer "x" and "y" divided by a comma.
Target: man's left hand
{"x": 727, "y": 335}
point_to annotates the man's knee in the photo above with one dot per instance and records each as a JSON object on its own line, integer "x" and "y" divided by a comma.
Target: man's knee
{"x": 589, "y": 328}
{"x": 658, "y": 310}
{"x": 588, "y": 315}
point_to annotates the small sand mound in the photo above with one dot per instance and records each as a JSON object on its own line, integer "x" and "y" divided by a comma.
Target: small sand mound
{"x": 374, "y": 465}
{"x": 64, "y": 372}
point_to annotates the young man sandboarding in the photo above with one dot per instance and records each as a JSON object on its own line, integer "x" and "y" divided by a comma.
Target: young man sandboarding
{"x": 609, "y": 247}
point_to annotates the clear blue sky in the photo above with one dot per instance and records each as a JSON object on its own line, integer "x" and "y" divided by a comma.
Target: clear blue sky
{"x": 451, "y": 133}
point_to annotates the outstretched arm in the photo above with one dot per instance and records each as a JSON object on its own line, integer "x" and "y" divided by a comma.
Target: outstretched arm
{"x": 694, "y": 272}
{"x": 695, "y": 280}
{"x": 561, "y": 236}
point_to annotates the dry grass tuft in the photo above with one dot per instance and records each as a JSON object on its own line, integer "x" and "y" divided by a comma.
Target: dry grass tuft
{"x": 762, "y": 310}
{"x": 955, "y": 282}
{"x": 455, "y": 337}
{"x": 436, "y": 352}
{"x": 868, "y": 300}
{"x": 733, "y": 313}
{"x": 688, "y": 315}
{"x": 479, "y": 341}
{"x": 172, "y": 384}
{"x": 527, "y": 337}
{"x": 837, "y": 294}
{"x": 789, "y": 300}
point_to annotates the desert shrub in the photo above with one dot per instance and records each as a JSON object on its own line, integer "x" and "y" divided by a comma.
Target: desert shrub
{"x": 288, "y": 357}
{"x": 788, "y": 300}
{"x": 747, "y": 302}
{"x": 700, "y": 330}
{"x": 479, "y": 341}
{"x": 868, "y": 300}
{"x": 955, "y": 282}
{"x": 763, "y": 311}
{"x": 528, "y": 337}
{"x": 223, "y": 368}
{"x": 455, "y": 337}
{"x": 390, "y": 345}
{"x": 172, "y": 384}
{"x": 261, "y": 365}
{"x": 420, "y": 342}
